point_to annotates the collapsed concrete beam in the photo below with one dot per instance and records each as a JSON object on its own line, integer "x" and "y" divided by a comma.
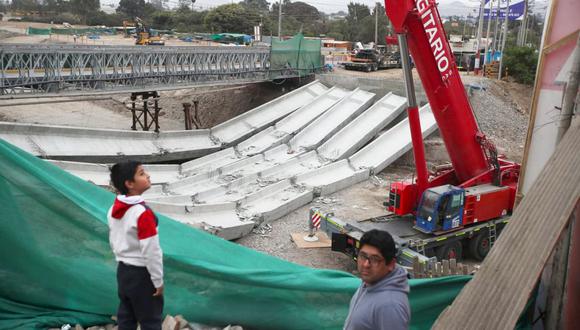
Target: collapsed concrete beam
{"x": 231, "y": 192}
{"x": 210, "y": 162}
{"x": 219, "y": 219}
{"x": 283, "y": 130}
{"x": 99, "y": 174}
{"x": 106, "y": 145}
{"x": 362, "y": 129}
{"x": 392, "y": 144}
{"x": 332, "y": 177}
{"x": 264, "y": 173}
{"x": 331, "y": 121}
{"x": 236, "y": 190}
{"x": 274, "y": 202}
{"x": 248, "y": 123}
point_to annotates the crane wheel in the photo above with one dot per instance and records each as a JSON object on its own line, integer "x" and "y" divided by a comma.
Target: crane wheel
{"x": 451, "y": 250}
{"x": 479, "y": 245}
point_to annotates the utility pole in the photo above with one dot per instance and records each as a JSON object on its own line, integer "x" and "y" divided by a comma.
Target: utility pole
{"x": 495, "y": 37}
{"x": 487, "y": 34}
{"x": 520, "y": 40}
{"x": 529, "y": 22}
{"x": 280, "y": 20}
{"x": 505, "y": 31}
{"x": 479, "y": 33}
{"x": 376, "y": 24}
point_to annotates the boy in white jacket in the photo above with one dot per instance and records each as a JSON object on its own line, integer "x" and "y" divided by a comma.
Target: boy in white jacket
{"x": 135, "y": 243}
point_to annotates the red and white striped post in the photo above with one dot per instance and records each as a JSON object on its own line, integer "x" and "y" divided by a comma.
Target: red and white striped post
{"x": 313, "y": 225}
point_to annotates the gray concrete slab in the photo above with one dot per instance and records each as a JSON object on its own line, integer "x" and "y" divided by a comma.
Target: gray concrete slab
{"x": 236, "y": 190}
{"x": 219, "y": 219}
{"x": 283, "y": 130}
{"x": 210, "y": 162}
{"x": 331, "y": 178}
{"x": 331, "y": 121}
{"x": 363, "y": 128}
{"x": 392, "y": 144}
{"x": 99, "y": 174}
{"x": 274, "y": 201}
{"x": 248, "y": 123}
{"x": 105, "y": 145}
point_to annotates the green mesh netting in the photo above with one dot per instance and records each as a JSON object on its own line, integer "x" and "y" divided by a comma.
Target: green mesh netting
{"x": 37, "y": 31}
{"x": 57, "y": 266}
{"x": 295, "y": 56}
{"x": 82, "y": 31}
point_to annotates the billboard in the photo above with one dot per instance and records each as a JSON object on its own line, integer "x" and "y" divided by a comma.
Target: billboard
{"x": 516, "y": 10}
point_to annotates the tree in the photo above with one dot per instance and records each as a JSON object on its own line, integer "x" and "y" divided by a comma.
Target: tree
{"x": 297, "y": 16}
{"x": 521, "y": 63}
{"x": 132, "y": 8}
{"x": 24, "y": 5}
{"x": 190, "y": 21}
{"x": 229, "y": 18}
{"x": 367, "y": 30}
{"x": 356, "y": 14}
{"x": 85, "y": 8}
{"x": 357, "y": 11}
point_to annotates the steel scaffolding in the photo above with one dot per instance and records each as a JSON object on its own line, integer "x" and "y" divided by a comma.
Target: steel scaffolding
{"x": 67, "y": 69}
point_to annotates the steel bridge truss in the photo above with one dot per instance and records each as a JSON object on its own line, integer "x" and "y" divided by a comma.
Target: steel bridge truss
{"x": 72, "y": 68}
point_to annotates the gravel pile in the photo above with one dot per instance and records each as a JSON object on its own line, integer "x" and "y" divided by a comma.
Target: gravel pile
{"x": 502, "y": 120}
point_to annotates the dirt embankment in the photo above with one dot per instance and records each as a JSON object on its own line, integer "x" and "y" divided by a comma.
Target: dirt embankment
{"x": 215, "y": 104}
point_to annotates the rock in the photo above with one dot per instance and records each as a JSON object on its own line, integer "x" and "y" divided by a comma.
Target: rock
{"x": 169, "y": 323}
{"x": 181, "y": 321}
{"x": 79, "y": 327}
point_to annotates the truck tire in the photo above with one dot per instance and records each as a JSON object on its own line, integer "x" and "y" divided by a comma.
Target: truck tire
{"x": 479, "y": 246}
{"x": 450, "y": 250}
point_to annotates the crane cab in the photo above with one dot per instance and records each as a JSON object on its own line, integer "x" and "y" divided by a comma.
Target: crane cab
{"x": 440, "y": 209}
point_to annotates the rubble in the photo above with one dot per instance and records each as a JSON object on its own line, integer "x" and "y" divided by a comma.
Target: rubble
{"x": 177, "y": 322}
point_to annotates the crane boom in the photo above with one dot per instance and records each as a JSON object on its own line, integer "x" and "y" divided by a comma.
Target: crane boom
{"x": 420, "y": 21}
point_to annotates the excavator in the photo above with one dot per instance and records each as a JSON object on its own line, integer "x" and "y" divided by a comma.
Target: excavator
{"x": 464, "y": 204}
{"x": 145, "y": 36}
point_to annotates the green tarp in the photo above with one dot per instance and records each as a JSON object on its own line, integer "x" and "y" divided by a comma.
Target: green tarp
{"x": 83, "y": 31}
{"x": 295, "y": 55}
{"x": 70, "y": 31}
{"x": 237, "y": 38}
{"x": 57, "y": 267}
{"x": 37, "y": 31}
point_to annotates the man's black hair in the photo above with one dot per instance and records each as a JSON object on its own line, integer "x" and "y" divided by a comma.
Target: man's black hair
{"x": 381, "y": 240}
{"x": 122, "y": 172}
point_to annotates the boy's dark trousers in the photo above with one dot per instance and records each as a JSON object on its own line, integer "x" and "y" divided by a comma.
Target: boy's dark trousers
{"x": 137, "y": 303}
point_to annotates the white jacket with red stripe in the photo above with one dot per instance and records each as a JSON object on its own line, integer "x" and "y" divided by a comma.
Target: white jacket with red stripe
{"x": 133, "y": 236}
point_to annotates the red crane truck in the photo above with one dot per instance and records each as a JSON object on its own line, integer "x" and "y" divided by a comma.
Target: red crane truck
{"x": 463, "y": 205}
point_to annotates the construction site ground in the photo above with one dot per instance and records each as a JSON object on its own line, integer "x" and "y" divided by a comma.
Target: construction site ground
{"x": 501, "y": 109}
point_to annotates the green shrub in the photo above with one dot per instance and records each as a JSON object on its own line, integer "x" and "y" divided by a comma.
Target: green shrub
{"x": 521, "y": 64}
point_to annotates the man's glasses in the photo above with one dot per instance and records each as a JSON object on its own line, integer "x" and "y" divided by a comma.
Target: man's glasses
{"x": 373, "y": 260}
